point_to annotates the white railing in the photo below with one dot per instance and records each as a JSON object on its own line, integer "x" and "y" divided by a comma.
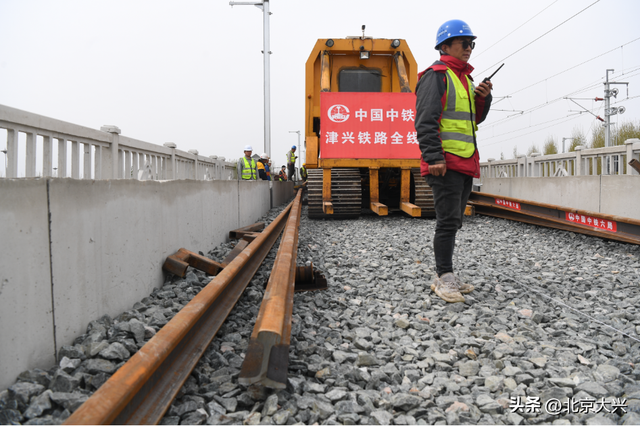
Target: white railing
{"x": 39, "y": 146}
{"x": 582, "y": 162}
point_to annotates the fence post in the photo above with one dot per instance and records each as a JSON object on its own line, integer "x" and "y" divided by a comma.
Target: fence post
{"x": 12, "y": 153}
{"x": 47, "y": 156}
{"x": 521, "y": 164}
{"x": 534, "y": 165}
{"x": 630, "y": 145}
{"x": 31, "y": 154}
{"x": 62, "y": 158}
{"x": 75, "y": 159}
{"x": 216, "y": 167}
{"x": 491, "y": 160}
{"x": 171, "y": 166}
{"x": 579, "y": 165}
{"x": 195, "y": 162}
{"x": 110, "y": 160}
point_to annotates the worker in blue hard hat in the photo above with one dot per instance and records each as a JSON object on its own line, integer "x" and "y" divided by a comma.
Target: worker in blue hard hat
{"x": 291, "y": 162}
{"x": 449, "y": 107}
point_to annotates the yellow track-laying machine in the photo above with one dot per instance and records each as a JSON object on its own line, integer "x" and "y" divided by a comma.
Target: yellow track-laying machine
{"x": 360, "y": 138}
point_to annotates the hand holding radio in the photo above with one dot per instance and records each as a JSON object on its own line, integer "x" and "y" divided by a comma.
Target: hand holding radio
{"x": 485, "y": 87}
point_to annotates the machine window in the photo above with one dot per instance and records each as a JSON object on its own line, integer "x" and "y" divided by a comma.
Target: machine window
{"x": 360, "y": 80}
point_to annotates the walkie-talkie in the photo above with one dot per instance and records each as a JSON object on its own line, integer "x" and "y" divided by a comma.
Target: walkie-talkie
{"x": 494, "y": 73}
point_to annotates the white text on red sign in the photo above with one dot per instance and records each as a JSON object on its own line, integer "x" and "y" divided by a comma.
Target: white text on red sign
{"x": 376, "y": 137}
{"x": 506, "y": 203}
{"x": 594, "y": 222}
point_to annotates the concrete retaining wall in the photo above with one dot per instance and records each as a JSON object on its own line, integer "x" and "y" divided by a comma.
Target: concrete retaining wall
{"x": 74, "y": 250}
{"x": 615, "y": 195}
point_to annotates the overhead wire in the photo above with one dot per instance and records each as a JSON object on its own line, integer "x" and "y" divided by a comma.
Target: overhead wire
{"x": 575, "y": 66}
{"x": 589, "y": 86}
{"x": 568, "y": 69}
{"x": 555, "y": 122}
{"x": 538, "y": 38}
{"x": 548, "y": 103}
{"x": 516, "y": 29}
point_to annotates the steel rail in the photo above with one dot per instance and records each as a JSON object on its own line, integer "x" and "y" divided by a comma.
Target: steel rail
{"x": 601, "y": 225}
{"x": 141, "y": 391}
{"x": 267, "y": 357}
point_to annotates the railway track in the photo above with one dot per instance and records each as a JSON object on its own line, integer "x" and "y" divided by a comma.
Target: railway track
{"x": 581, "y": 221}
{"x": 142, "y": 390}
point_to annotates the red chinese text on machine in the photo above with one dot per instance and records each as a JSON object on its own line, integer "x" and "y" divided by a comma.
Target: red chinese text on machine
{"x": 368, "y": 125}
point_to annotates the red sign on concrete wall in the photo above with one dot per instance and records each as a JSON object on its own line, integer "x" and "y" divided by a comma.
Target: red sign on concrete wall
{"x": 368, "y": 125}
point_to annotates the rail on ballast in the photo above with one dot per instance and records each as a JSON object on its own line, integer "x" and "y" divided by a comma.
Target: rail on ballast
{"x": 581, "y": 221}
{"x": 142, "y": 390}
{"x": 267, "y": 358}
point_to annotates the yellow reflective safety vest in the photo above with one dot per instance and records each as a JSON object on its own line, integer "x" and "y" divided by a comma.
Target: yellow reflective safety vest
{"x": 249, "y": 170}
{"x": 458, "y": 123}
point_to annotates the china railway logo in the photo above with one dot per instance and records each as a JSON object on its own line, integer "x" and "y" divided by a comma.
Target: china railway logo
{"x": 338, "y": 113}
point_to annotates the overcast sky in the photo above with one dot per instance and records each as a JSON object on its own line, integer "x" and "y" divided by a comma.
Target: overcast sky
{"x": 191, "y": 72}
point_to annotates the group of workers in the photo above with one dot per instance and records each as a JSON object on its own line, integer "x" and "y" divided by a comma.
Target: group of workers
{"x": 250, "y": 169}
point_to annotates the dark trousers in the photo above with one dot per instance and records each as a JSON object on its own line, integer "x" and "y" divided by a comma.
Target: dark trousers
{"x": 450, "y": 194}
{"x": 292, "y": 170}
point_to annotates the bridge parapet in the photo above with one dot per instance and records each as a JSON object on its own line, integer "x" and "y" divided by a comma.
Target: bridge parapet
{"x": 581, "y": 162}
{"x": 55, "y": 148}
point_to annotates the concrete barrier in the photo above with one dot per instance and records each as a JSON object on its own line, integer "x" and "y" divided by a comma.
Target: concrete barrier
{"x": 75, "y": 250}
{"x": 615, "y": 195}
{"x": 26, "y": 320}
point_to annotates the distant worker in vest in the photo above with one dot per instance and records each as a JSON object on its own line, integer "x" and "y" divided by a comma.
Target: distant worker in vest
{"x": 263, "y": 172}
{"x": 291, "y": 162}
{"x": 303, "y": 172}
{"x": 247, "y": 167}
{"x": 449, "y": 106}
{"x": 283, "y": 174}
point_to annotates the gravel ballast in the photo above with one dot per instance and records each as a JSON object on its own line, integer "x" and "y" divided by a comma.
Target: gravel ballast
{"x": 379, "y": 347}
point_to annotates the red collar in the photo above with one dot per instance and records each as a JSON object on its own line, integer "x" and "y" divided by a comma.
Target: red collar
{"x": 457, "y": 66}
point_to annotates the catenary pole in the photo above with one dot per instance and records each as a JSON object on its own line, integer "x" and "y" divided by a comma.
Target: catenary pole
{"x": 266, "y": 52}
{"x": 608, "y": 112}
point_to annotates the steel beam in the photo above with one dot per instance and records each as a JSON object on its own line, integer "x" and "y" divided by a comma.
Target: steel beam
{"x": 582, "y": 221}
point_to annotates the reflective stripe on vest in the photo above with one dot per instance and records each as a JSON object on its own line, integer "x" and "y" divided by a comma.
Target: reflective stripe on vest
{"x": 458, "y": 122}
{"x": 249, "y": 169}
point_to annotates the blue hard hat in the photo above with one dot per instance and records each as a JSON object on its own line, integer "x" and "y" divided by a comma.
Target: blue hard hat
{"x": 293, "y": 147}
{"x": 453, "y": 28}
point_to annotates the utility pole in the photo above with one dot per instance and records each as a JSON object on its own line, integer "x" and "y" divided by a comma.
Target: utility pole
{"x": 565, "y": 139}
{"x": 264, "y": 5}
{"x": 299, "y": 152}
{"x": 608, "y": 112}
